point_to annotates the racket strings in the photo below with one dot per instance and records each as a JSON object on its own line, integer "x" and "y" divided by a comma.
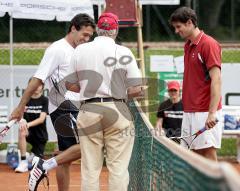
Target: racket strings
{"x": 176, "y": 140}
{"x": 183, "y": 141}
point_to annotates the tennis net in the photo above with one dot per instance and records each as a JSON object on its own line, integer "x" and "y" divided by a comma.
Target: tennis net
{"x": 159, "y": 164}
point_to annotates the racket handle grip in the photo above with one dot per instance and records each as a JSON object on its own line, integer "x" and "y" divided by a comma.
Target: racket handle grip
{"x": 205, "y": 128}
{"x": 201, "y": 130}
{"x": 11, "y": 123}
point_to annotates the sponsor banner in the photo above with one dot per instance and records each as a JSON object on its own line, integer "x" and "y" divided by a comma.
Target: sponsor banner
{"x": 46, "y": 9}
{"x": 21, "y": 75}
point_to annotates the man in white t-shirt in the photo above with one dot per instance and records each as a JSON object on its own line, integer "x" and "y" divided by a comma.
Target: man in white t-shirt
{"x": 53, "y": 69}
{"x": 106, "y": 75}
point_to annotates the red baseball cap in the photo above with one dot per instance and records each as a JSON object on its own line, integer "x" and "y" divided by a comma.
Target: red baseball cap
{"x": 173, "y": 85}
{"x": 108, "y": 21}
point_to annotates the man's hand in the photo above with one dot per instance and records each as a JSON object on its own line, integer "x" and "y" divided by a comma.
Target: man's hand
{"x": 136, "y": 91}
{"x": 23, "y": 127}
{"x": 17, "y": 114}
{"x": 211, "y": 120}
{"x": 159, "y": 130}
{"x": 74, "y": 87}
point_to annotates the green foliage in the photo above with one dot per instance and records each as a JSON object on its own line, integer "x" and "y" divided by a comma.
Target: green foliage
{"x": 21, "y": 56}
{"x": 34, "y": 56}
{"x": 231, "y": 56}
{"x": 3, "y": 146}
{"x": 229, "y": 147}
{"x": 49, "y": 148}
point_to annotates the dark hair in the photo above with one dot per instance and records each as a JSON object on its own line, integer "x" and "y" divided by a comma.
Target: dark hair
{"x": 81, "y": 20}
{"x": 183, "y": 14}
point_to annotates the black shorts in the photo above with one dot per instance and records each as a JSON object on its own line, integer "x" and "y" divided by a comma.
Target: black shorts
{"x": 64, "y": 142}
{"x": 37, "y": 146}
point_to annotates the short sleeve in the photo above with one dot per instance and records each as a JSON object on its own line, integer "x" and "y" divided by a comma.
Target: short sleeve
{"x": 134, "y": 77}
{"x": 160, "y": 113}
{"x": 212, "y": 54}
{"x": 50, "y": 61}
{"x": 72, "y": 76}
{"x": 45, "y": 105}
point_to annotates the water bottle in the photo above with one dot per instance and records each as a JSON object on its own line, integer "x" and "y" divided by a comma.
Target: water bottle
{"x": 12, "y": 155}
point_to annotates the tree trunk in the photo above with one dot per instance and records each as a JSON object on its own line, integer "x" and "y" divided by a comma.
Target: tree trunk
{"x": 209, "y": 13}
{"x": 188, "y": 3}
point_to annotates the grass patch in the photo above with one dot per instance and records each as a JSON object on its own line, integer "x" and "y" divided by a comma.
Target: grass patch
{"x": 231, "y": 56}
{"x": 229, "y": 147}
{"x": 22, "y": 56}
{"x": 3, "y": 146}
{"x": 49, "y": 148}
{"x": 34, "y": 56}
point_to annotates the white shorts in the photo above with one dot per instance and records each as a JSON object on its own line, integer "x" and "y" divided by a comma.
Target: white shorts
{"x": 192, "y": 122}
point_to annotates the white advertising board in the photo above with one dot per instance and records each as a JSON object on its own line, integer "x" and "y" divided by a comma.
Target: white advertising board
{"x": 21, "y": 76}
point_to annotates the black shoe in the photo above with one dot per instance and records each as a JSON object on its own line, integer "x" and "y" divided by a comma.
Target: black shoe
{"x": 36, "y": 174}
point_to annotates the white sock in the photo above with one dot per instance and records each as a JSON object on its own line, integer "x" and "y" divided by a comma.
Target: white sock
{"x": 50, "y": 164}
{"x": 25, "y": 161}
{"x": 30, "y": 157}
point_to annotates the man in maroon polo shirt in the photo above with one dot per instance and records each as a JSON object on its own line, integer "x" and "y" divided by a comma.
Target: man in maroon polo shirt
{"x": 201, "y": 83}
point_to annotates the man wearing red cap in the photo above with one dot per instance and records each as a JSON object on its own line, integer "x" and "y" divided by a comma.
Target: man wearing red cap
{"x": 170, "y": 112}
{"x": 106, "y": 75}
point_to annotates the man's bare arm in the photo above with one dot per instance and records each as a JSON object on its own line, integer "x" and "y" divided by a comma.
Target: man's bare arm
{"x": 216, "y": 82}
{"x": 74, "y": 87}
{"x": 159, "y": 123}
{"x": 215, "y": 89}
{"x": 38, "y": 121}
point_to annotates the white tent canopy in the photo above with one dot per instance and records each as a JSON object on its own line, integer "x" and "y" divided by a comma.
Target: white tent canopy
{"x": 62, "y": 10}
{"x": 101, "y": 3}
{"x": 2, "y": 14}
{"x": 146, "y": 2}
{"x": 159, "y": 2}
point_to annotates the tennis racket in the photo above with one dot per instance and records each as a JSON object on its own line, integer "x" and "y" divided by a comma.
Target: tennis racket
{"x": 193, "y": 137}
{"x": 4, "y": 131}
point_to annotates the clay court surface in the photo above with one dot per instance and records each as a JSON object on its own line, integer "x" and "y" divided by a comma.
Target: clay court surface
{"x": 11, "y": 181}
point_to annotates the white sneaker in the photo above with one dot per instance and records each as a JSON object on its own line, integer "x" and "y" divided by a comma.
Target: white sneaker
{"x": 22, "y": 167}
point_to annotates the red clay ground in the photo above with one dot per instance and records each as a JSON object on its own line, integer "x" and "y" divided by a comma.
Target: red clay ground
{"x": 11, "y": 181}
